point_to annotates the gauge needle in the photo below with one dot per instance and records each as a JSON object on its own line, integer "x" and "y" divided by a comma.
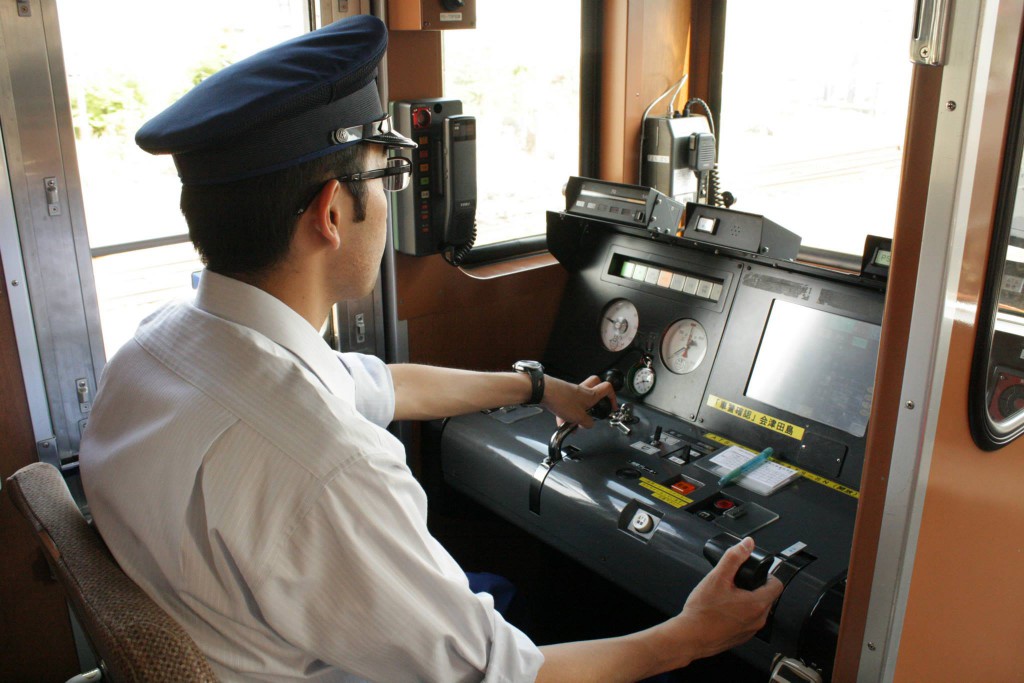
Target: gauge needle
{"x": 620, "y": 324}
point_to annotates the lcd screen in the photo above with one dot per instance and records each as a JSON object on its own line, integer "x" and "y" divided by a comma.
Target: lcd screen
{"x": 818, "y": 365}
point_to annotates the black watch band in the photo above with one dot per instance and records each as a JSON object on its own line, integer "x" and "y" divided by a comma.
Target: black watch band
{"x": 536, "y": 372}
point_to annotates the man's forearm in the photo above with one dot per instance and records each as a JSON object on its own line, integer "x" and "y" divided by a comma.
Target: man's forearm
{"x": 626, "y": 658}
{"x": 425, "y": 392}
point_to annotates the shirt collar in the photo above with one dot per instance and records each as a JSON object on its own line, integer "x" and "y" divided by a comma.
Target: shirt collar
{"x": 251, "y": 307}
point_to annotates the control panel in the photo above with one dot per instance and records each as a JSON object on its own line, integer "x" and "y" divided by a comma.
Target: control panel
{"x": 718, "y": 353}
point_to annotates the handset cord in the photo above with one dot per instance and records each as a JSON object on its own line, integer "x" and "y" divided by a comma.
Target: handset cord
{"x": 714, "y": 182}
{"x": 455, "y": 255}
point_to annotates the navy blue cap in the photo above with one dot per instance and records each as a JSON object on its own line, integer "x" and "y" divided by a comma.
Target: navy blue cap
{"x": 291, "y": 103}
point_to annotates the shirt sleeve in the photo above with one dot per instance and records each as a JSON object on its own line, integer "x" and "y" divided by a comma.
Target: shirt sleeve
{"x": 361, "y": 584}
{"x": 374, "y": 389}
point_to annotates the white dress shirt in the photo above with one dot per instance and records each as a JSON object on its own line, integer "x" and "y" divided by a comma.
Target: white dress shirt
{"x": 240, "y": 473}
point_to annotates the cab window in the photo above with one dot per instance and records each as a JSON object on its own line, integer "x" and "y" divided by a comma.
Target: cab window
{"x": 137, "y": 235}
{"x": 520, "y": 76}
{"x": 812, "y": 128}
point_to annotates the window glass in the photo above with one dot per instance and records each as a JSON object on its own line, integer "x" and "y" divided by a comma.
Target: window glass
{"x": 124, "y": 65}
{"x": 814, "y": 110}
{"x": 520, "y": 78}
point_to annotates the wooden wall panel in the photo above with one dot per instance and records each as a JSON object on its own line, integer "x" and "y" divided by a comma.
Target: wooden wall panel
{"x": 35, "y": 634}
{"x": 480, "y": 323}
{"x": 651, "y": 38}
{"x": 414, "y": 65}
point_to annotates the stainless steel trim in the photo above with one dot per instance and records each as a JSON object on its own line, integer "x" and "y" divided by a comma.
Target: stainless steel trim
{"x": 39, "y": 143}
{"x": 931, "y": 32}
{"x": 950, "y": 186}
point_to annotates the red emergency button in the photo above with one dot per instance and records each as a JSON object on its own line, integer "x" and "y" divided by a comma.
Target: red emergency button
{"x": 683, "y": 487}
{"x": 724, "y": 504}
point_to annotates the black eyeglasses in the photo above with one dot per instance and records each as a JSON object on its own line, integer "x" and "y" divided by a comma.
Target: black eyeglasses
{"x": 395, "y": 176}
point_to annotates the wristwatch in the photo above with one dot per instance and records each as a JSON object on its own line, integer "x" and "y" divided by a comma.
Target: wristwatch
{"x": 536, "y": 372}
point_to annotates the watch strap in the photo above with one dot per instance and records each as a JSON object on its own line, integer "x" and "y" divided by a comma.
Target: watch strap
{"x": 536, "y": 373}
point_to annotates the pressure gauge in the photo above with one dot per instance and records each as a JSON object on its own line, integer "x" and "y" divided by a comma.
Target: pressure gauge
{"x": 641, "y": 377}
{"x": 684, "y": 346}
{"x": 619, "y": 321}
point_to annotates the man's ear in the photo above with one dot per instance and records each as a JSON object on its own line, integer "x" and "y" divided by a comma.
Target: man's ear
{"x": 326, "y": 212}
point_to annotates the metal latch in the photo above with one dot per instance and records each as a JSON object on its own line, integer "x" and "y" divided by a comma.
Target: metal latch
{"x": 82, "y": 388}
{"x": 52, "y": 197}
{"x": 931, "y": 27}
{"x": 360, "y": 328}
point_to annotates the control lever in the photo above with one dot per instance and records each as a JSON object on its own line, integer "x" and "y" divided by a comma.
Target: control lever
{"x": 598, "y": 411}
{"x": 752, "y": 573}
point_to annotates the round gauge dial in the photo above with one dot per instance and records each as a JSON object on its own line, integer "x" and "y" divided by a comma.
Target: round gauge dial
{"x": 619, "y": 321}
{"x": 684, "y": 346}
{"x": 641, "y": 380}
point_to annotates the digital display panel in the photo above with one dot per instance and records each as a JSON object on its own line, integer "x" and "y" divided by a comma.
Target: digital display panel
{"x": 883, "y": 257}
{"x": 818, "y": 365}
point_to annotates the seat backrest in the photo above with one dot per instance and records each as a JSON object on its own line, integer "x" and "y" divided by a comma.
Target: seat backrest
{"x": 135, "y": 639}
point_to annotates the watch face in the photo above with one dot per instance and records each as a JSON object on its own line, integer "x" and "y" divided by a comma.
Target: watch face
{"x": 641, "y": 382}
{"x": 527, "y": 365}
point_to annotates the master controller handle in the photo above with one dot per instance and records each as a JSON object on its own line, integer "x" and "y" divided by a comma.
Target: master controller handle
{"x": 752, "y": 573}
{"x": 603, "y": 408}
{"x": 598, "y": 411}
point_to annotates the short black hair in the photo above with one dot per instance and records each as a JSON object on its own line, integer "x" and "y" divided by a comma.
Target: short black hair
{"x": 245, "y": 227}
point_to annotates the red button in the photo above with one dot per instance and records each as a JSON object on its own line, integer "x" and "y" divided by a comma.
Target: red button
{"x": 724, "y": 504}
{"x": 683, "y": 487}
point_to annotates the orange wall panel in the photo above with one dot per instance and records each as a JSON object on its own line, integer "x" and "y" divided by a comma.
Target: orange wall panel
{"x": 965, "y": 610}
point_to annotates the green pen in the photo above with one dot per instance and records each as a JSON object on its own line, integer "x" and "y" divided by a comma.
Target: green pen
{"x": 752, "y": 464}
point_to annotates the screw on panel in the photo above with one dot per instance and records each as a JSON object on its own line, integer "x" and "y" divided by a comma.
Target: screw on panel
{"x": 871, "y": 646}
{"x": 925, "y": 52}
{"x": 910, "y": 405}
{"x": 951, "y": 105}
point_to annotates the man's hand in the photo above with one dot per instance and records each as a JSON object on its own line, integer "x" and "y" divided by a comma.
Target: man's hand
{"x": 718, "y": 615}
{"x": 569, "y": 402}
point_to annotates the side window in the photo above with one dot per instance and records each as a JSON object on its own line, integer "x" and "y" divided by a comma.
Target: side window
{"x": 813, "y": 115}
{"x": 520, "y": 77}
{"x": 138, "y": 238}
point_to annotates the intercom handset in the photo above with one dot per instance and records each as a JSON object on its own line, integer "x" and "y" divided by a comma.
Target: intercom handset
{"x": 437, "y": 212}
{"x": 459, "y": 185}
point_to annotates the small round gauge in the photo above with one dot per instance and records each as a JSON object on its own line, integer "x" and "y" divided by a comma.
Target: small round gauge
{"x": 641, "y": 380}
{"x": 619, "y": 321}
{"x": 684, "y": 346}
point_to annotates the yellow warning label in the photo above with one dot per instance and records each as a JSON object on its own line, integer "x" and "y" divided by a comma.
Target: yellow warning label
{"x": 726, "y": 442}
{"x": 665, "y": 494}
{"x": 853, "y": 493}
{"x": 754, "y": 417}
